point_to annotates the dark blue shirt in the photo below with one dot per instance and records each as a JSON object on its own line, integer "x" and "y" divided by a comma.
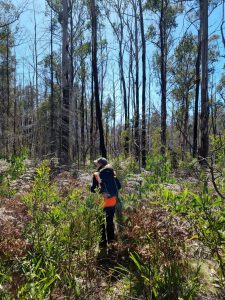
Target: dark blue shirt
{"x": 109, "y": 182}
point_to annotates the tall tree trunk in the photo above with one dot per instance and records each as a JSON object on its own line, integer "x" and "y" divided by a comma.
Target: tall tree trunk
{"x": 95, "y": 75}
{"x": 122, "y": 78}
{"x": 73, "y": 97}
{"x": 149, "y": 107}
{"x": 114, "y": 114}
{"x": 82, "y": 108}
{"x": 92, "y": 119}
{"x": 204, "y": 87}
{"x": 36, "y": 143}
{"x": 136, "y": 115}
{"x": 186, "y": 118}
{"x": 197, "y": 80}
{"x": 8, "y": 91}
{"x": 35, "y": 57}
{"x": 65, "y": 157}
{"x": 143, "y": 131}
{"x": 181, "y": 127}
{"x": 214, "y": 115}
{"x": 52, "y": 102}
{"x": 163, "y": 75}
{"x": 15, "y": 138}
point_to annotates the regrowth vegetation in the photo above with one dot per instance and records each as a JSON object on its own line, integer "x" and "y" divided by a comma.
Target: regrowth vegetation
{"x": 142, "y": 84}
{"x": 168, "y": 239}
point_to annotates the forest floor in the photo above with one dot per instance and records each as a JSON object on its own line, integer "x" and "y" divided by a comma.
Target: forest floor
{"x": 146, "y": 216}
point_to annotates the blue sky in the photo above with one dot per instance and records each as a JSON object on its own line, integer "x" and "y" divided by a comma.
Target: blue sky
{"x": 24, "y": 51}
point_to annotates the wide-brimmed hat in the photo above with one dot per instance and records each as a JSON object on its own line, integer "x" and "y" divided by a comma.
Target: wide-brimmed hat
{"x": 101, "y": 160}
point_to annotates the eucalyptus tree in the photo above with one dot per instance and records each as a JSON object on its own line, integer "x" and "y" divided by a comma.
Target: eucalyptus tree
{"x": 83, "y": 71}
{"x": 143, "y": 131}
{"x": 183, "y": 82}
{"x": 222, "y": 23}
{"x": 214, "y": 55}
{"x": 118, "y": 24}
{"x": 197, "y": 88}
{"x": 53, "y": 115}
{"x": 94, "y": 20}
{"x": 79, "y": 50}
{"x": 165, "y": 12}
{"x": 204, "y": 148}
{"x": 62, "y": 10}
{"x": 202, "y": 71}
{"x": 6, "y": 71}
{"x": 10, "y": 13}
{"x": 136, "y": 112}
{"x": 65, "y": 126}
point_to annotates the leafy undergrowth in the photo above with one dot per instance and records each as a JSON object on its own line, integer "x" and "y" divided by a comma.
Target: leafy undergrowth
{"x": 49, "y": 246}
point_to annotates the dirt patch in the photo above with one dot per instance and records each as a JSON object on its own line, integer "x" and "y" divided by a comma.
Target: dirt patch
{"x": 13, "y": 218}
{"x": 66, "y": 182}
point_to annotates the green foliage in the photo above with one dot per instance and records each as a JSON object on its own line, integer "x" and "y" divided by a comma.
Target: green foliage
{"x": 169, "y": 11}
{"x": 125, "y": 167}
{"x": 41, "y": 276}
{"x": 5, "y": 188}
{"x": 190, "y": 165}
{"x": 11, "y": 170}
{"x": 5, "y": 278}
{"x": 18, "y": 166}
{"x": 183, "y": 70}
{"x": 160, "y": 167}
{"x": 155, "y": 280}
{"x": 218, "y": 149}
{"x": 63, "y": 234}
{"x": 206, "y": 213}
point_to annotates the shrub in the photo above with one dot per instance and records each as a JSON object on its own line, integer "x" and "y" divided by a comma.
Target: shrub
{"x": 160, "y": 167}
{"x": 206, "y": 214}
{"x": 64, "y": 233}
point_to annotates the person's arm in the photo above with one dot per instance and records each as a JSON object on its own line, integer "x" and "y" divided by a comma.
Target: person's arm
{"x": 94, "y": 184}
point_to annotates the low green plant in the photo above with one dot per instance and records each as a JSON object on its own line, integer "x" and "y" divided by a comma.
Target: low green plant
{"x": 64, "y": 234}
{"x": 5, "y": 278}
{"x": 41, "y": 275}
{"x": 18, "y": 166}
{"x": 131, "y": 199}
{"x": 160, "y": 168}
{"x": 11, "y": 170}
{"x": 5, "y": 188}
{"x": 218, "y": 149}
{"x": 125, "y": 166}
{"x": 152, "y": 280}
{"x": 206, "y": 214}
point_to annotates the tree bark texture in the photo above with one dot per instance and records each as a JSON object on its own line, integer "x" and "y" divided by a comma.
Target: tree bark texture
{"x": 143, "y": 130}
{"x": 52, "y": 102}
{"x": 136, "y": 114}
{"x": 163, "y": 75}
{"x": 197, "y": 79}
{"x": 95, "y": 77}
{"x": 204, "y": 86}
{"x": 65, "y": 87}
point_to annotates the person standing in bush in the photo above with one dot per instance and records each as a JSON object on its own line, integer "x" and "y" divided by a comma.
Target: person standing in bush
{"x": 106, "y": 182}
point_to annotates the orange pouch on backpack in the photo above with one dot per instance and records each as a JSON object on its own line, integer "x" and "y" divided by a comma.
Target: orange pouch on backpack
{"x": 108, "y": 202}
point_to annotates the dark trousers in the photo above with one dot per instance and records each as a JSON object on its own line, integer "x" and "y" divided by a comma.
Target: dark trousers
{"x": 108, "y": 226}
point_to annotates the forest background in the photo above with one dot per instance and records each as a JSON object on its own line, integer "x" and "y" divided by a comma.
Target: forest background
{"x": 143, "y": 84}
{"x": 109, "y": 78}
